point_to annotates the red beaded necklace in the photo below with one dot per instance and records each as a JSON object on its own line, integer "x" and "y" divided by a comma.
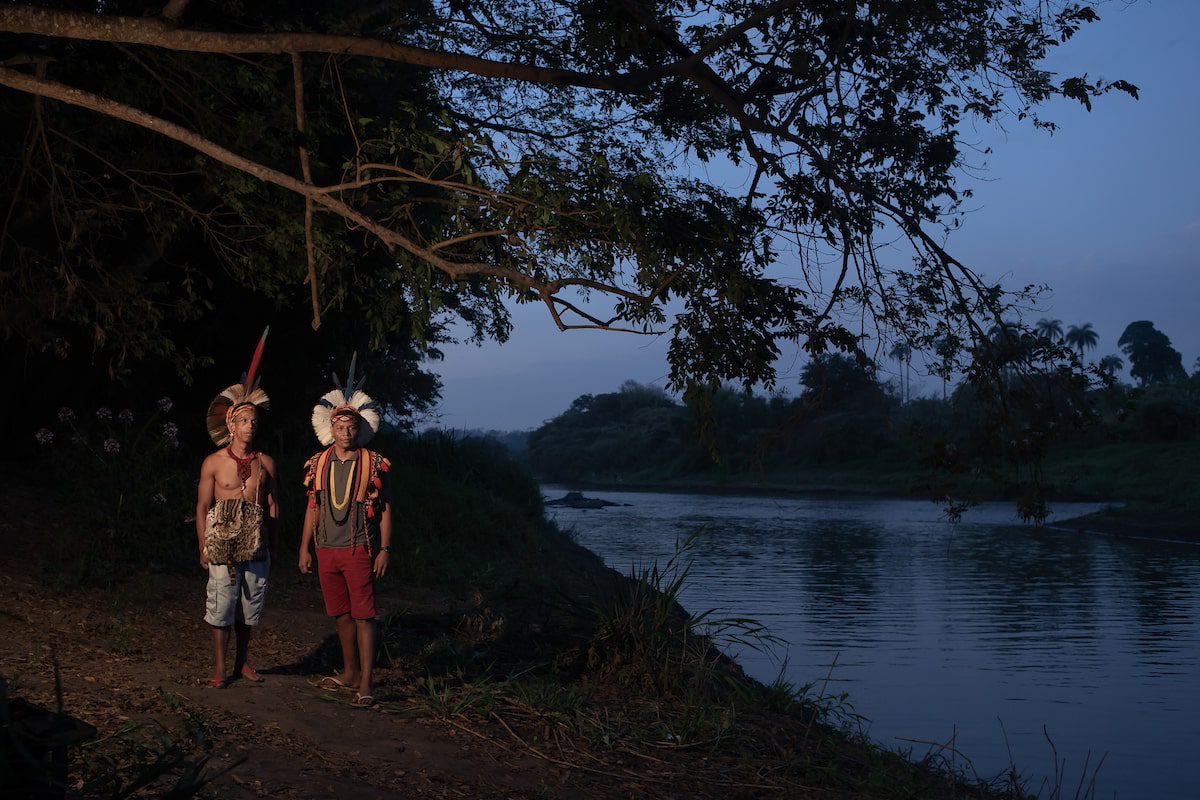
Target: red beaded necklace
{"x": 245, "y": 466}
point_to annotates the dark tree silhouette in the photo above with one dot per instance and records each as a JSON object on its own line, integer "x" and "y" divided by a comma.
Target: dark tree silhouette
{"x": 1052, "y": 329}
{"x": 902, "y": 353}
{"x": 1151, "y": 355}
{"x": 1110, "y": 365}
{"x": 1082, "y": 337}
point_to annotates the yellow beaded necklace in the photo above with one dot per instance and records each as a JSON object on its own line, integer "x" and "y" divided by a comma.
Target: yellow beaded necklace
{"x": 333, "y": 488}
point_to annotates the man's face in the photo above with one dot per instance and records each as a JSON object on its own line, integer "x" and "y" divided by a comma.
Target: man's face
{"x": 244, "y": 424}
{"x": 345, "y": 431}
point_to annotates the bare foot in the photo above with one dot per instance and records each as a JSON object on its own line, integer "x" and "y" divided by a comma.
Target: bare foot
{"x": 251, "y": 674}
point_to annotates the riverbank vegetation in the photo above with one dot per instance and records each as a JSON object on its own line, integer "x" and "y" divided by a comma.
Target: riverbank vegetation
{"x": 847, "y": 430}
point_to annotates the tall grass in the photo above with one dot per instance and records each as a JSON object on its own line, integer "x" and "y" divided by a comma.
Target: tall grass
{"x": 644, "y": 637}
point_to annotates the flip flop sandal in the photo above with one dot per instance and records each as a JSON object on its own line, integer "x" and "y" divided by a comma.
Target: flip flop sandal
{"x": 217, "y": 683}
{"x": 362, "y": 700}
{"x": 331, "y": 684}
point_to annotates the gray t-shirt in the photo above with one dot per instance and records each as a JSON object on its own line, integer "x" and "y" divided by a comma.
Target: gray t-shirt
{"x": 337, "y": 521}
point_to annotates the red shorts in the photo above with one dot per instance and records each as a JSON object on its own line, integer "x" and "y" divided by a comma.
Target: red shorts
{"x": 347, "y": 581}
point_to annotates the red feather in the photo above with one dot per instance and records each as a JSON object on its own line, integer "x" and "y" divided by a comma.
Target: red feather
{"x": 254, "y": 361}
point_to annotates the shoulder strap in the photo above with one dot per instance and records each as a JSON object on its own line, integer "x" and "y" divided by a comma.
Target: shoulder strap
{"x": 318, "y": 471}
{"x": 366, "y": 464}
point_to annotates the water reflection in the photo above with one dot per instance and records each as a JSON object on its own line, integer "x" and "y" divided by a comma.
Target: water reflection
{"x": 941, "y": 630}
{"x": 841, "y": 569}
{"x": 1161, "y": 584}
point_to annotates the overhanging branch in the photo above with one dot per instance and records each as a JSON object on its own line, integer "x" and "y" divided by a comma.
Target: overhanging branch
{"x": 166, "y": 34}
{"x": 40, "y": 87}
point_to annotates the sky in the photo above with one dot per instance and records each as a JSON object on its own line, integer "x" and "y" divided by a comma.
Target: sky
{"x": 1106, "y": 211}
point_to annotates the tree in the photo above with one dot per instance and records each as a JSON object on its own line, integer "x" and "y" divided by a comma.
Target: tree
{"x": 1151, "y": 355}
{"x": 1052, "y": 329}
{"x": 902, "y": 353}
{"x": 1110, "y": 365}
{"x": 1007, "y": 349}
{"x": 529, "y": 149}
{"x": 1081, "y": 337}
{"x": 837, "y": 381}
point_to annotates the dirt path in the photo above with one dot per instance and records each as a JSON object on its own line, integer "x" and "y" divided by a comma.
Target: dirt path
{"x": 143, "y": 659}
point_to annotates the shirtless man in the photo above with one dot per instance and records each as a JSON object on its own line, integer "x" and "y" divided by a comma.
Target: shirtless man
{"x": 237, "y": 515}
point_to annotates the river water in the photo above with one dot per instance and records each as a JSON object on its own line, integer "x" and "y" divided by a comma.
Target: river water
{"x": 985, "y": 635}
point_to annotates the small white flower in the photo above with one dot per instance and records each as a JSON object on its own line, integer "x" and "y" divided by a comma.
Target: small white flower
{"x": 103, "y": 413}
{"x": 44, "y": 436}
{"x": 112, "y": 446}
{"x": 170, "y": 430}
{"x": 126, "y": 417}
{"x": 160, "y": 498}
{"x": 66, "y": 415}
{"x": 165, "y": 404}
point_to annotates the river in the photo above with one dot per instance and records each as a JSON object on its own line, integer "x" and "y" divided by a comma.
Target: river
{"x": 985, "y": 635}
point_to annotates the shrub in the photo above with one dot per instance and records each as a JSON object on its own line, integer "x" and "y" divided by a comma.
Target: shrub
{"x": 123, "y": 489}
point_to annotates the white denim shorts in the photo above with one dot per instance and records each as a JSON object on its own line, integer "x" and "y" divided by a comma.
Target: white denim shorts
{"x": 236, "y": 592}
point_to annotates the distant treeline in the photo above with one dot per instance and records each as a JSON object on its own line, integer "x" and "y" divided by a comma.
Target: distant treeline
{"x": 845, "y": 415}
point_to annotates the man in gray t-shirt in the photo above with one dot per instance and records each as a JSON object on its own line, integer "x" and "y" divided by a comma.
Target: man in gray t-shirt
{"x": 350, "y": 521}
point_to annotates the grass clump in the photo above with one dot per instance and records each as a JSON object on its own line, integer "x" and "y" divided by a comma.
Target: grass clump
{"x": 643, "y": 636}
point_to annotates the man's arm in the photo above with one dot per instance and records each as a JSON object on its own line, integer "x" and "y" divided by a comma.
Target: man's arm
{"x": 306, "y": 537}
{"x": 385, "y": 540}
{"x": 272, "y": 520}
{"x": 204, "y": 501}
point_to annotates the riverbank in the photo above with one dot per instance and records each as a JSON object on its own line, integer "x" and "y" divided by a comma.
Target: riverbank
{"x": 987, "y": 629}
{"x": 1153, "y": 489}
{"x": 534, "y": 677}
{"x": 1137, "y": 523}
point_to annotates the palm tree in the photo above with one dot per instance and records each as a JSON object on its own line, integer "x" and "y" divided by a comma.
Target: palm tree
{"x": 1110, "y": 364}
{"x": 1051, "y": 329}
{"x": 902, "y": 352}
{"x": 1082, "y": 337}
{"x": 1007, "y": 348}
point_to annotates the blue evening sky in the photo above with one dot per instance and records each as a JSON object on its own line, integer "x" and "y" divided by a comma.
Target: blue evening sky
{"x": 1106, "y": 211}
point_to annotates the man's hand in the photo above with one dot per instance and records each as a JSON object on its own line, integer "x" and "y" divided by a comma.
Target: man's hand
{"x": 381, "y": 563}
{"x": 305, "y": 561}
{"x": 203, "y": 558}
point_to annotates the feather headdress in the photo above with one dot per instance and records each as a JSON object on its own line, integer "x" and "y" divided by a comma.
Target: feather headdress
{"x": 346, "y": 399}
{"x": 223, "y": 406}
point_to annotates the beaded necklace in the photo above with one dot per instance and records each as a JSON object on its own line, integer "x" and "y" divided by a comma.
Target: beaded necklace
{"x": 245, "y": 466}
{"x": 345, "y": 501}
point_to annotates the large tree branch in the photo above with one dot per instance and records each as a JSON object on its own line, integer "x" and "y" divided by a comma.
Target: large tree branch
{"x": 162, "y": 33}
{"x": 321, "y": 196}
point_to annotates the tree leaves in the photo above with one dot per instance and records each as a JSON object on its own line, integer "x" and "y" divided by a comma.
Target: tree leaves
{"x": 549, "y": 151}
